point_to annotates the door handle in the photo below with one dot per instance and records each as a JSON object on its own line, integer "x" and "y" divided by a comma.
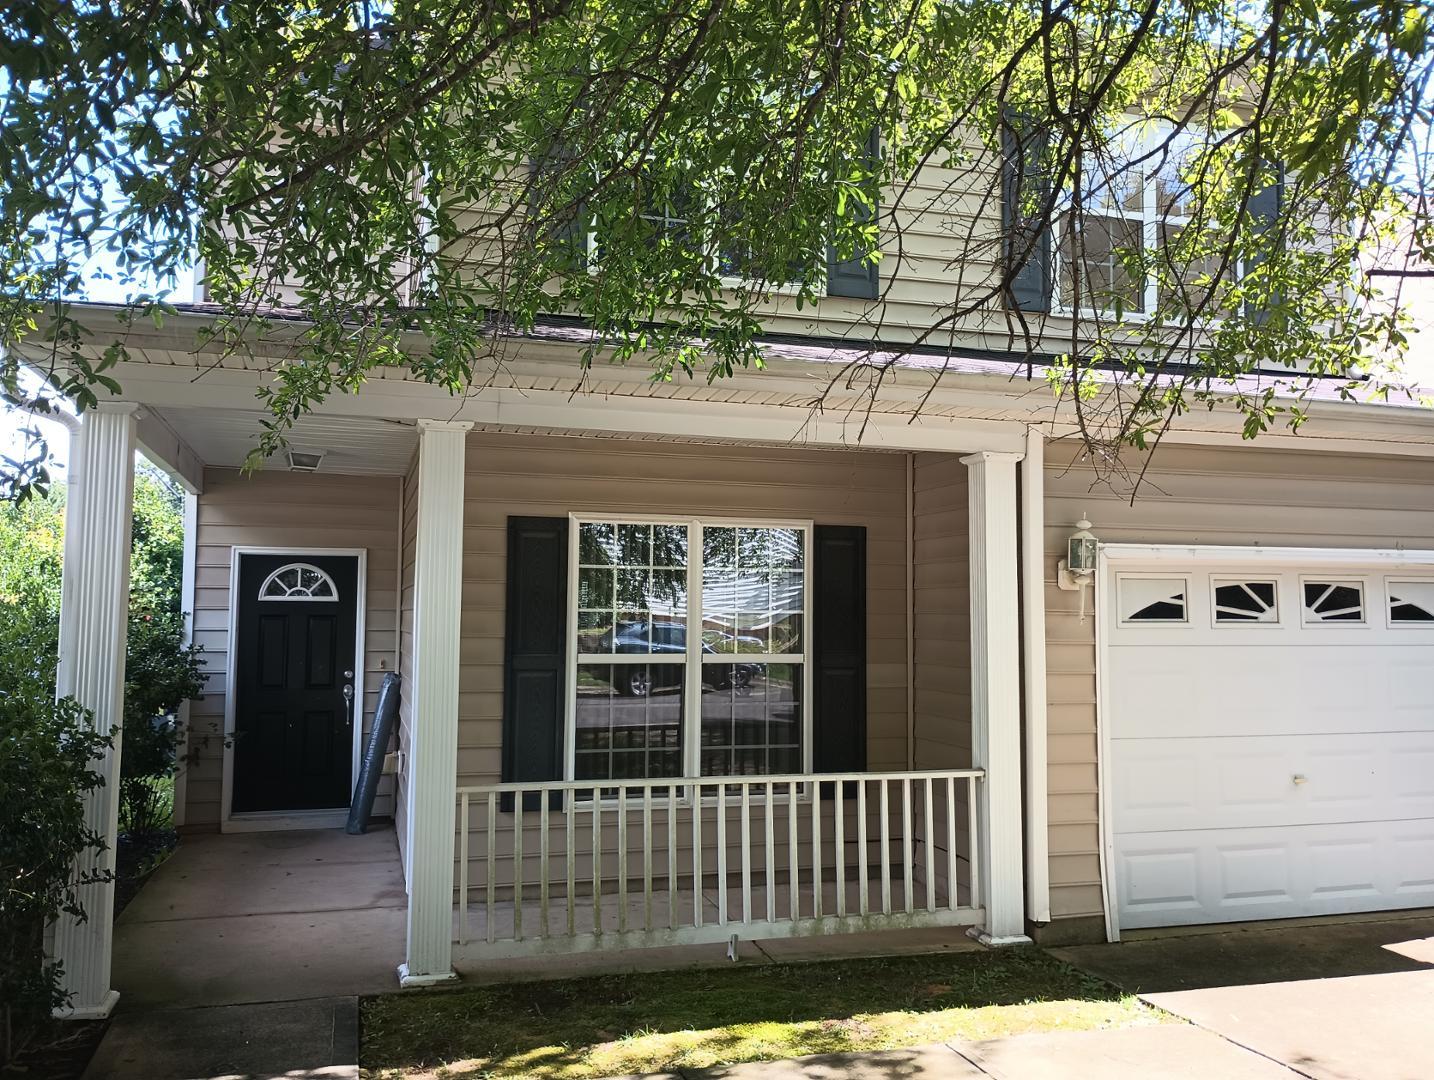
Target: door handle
{"x": 1298, "y": 779}
{"x": 348, "y": 700}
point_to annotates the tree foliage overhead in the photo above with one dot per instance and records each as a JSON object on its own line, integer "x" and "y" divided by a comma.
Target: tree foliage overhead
{"x": 420, "y": 179}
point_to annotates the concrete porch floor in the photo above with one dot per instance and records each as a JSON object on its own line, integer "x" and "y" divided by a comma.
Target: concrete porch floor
{"x": 264, "y": 916}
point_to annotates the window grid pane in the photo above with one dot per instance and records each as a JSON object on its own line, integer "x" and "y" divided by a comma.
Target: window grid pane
{"x": 631, "y": 602}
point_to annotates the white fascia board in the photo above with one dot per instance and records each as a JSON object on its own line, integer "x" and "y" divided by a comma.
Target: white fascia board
{"x": 1244, "y": 555}
{"x": 171, "y": 387}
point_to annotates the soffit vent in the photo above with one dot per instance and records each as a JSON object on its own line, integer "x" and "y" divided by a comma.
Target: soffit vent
{"x": 305, "y": 460}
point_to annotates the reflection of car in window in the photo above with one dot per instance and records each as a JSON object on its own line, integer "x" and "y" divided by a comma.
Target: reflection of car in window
{"x": 665, "y": 639}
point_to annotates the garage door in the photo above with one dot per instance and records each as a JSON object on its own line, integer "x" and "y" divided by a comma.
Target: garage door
{"x": 1269, "y": 738}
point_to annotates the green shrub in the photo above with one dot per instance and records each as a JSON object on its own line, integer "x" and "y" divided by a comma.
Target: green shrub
{"x": 47, "y": 750}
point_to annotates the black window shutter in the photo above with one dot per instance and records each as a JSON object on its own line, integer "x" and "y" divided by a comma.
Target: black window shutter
{"x": 1264, "y": 209}
{"x": 857, "y": 277}
{"x": 535, "y": 652}
{"x": 839, "y": 648}
{"x": 1026, "y": 241}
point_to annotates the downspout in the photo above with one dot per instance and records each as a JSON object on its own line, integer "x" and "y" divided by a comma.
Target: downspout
{"x": 1033, "y": 645}
{"x": 910, "y": 611}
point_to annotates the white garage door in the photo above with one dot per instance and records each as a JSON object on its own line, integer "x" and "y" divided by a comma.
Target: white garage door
{"x": 1270, "y": 740}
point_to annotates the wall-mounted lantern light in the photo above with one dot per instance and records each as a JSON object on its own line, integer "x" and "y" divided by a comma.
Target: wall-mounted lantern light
{"x": 1077, "y": 569}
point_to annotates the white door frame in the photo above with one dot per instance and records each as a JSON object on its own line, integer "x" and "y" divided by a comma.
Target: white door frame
{"x": 270, "y": 820}
{"x": 1113, "y": 556}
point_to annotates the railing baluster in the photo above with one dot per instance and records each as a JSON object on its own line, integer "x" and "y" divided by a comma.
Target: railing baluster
{"x": 697, "y": 854}
{"x": 907, "y": 884}
{"x": 492, "y": 863}
{"x": 543, "y": 864}
{"x": 793, "y": 856}
{"x": 597, "y": 861}
{"x": 953, "y": 889}
{"x": 722, "y": 854}
{"x": 816, "y": 850}
{"x": 885, "y": 849}
{"x": 929, "y": 847}
{"x": 864, "y": 898}
{"x": 622, "y": 858}
{"x": 672, "y": 879}
{"x": 973, "y": 854}
{"x": 746, "y": 852}
{"x": 518, "y": 864}
{"x": 463, "y": 869}
{"x": 921, "y": 826}
{"x": 570, "y": 806}
{"x": 769, "y": 844}
{"x": 647, "y": 857}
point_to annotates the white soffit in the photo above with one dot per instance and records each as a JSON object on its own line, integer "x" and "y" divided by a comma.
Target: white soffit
{"x": 350, "y": 445}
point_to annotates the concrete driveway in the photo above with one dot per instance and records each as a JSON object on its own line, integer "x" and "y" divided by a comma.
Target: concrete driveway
{"x": 1334, "y": 1000}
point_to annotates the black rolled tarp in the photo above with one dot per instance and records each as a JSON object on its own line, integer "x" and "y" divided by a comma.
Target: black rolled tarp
{"x": 371, "y": 768}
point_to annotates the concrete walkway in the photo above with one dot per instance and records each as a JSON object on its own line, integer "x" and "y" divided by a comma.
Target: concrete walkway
{"x": 269, "y": 916}
{"x": 1157, "y": 1052}
{"x": 243, "y": 958}
{"x": 1332, "y": 999}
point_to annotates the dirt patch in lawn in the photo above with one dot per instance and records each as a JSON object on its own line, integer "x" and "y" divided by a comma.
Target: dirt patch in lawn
{"x": 652, "y": 1022}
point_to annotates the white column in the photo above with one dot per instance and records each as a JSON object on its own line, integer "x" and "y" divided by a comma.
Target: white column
{"x": 432, "y": 753}
{"x": 996, "y": 691}
{"x": 1033, "y": 646}
{"x": 94, "y": 620}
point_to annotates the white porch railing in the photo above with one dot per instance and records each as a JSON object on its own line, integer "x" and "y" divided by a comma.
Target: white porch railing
{"x": 662, "y": 862}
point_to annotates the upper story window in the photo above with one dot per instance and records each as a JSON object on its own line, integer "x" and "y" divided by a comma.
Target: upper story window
{"x": 1122, "y": 229}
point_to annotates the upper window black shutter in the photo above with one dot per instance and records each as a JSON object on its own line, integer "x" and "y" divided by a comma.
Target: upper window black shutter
{"x": 1264, "y": 209}
{"x": 857, "y": 276}
{"x": 1026, "y": 241}
{"x": 839, "y": 648}
{"x": 535, "y": 652}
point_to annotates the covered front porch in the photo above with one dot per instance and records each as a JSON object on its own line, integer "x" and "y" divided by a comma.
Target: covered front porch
{"x": 896, "y": 800}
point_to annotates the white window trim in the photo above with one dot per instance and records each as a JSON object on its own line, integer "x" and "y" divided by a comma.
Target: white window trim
{"x": 1151, "y": 220}
{"x": 1360, "y": 582}
{"x": 692, "y": 689}
{"x": 1402, "y": 625}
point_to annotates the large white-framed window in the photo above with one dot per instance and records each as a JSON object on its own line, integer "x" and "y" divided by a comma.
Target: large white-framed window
{"x": 689, "y": 653}
{"x": 1136, "y": 202}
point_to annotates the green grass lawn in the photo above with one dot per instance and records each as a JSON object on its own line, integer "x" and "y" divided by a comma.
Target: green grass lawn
{"x": 650, "y": 1022}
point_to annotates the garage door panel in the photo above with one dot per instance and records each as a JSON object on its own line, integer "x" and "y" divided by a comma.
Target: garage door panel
{"x": 1178, "y": 691}
{"x": 1187, "y": 878}
{"x": 1160, "y": 785}
{"x": 1275, "y": 767}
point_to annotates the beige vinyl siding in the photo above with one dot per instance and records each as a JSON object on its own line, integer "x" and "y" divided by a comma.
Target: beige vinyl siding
{"x": 939, "y": 246}
{"x": 1238, "y": 496}
{"x": 407, "y": 548}
{"x": 284, "y": 510}
{"x": 942, "y": 612}
{"x": 515, "y": 475}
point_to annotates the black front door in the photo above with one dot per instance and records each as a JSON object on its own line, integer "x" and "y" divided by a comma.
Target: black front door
{"x": 295, "y": 689}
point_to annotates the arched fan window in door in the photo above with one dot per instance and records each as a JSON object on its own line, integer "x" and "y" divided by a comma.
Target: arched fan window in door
{"x": 298, "y": 581}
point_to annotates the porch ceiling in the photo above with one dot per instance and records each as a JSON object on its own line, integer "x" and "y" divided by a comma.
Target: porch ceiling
{"x": 352, "y": 445}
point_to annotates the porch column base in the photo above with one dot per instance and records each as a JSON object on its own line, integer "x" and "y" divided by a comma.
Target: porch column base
{"x": 976, "y": 933}
{"x": 100, "y": 1011}
{"x": 408, "y": 981}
